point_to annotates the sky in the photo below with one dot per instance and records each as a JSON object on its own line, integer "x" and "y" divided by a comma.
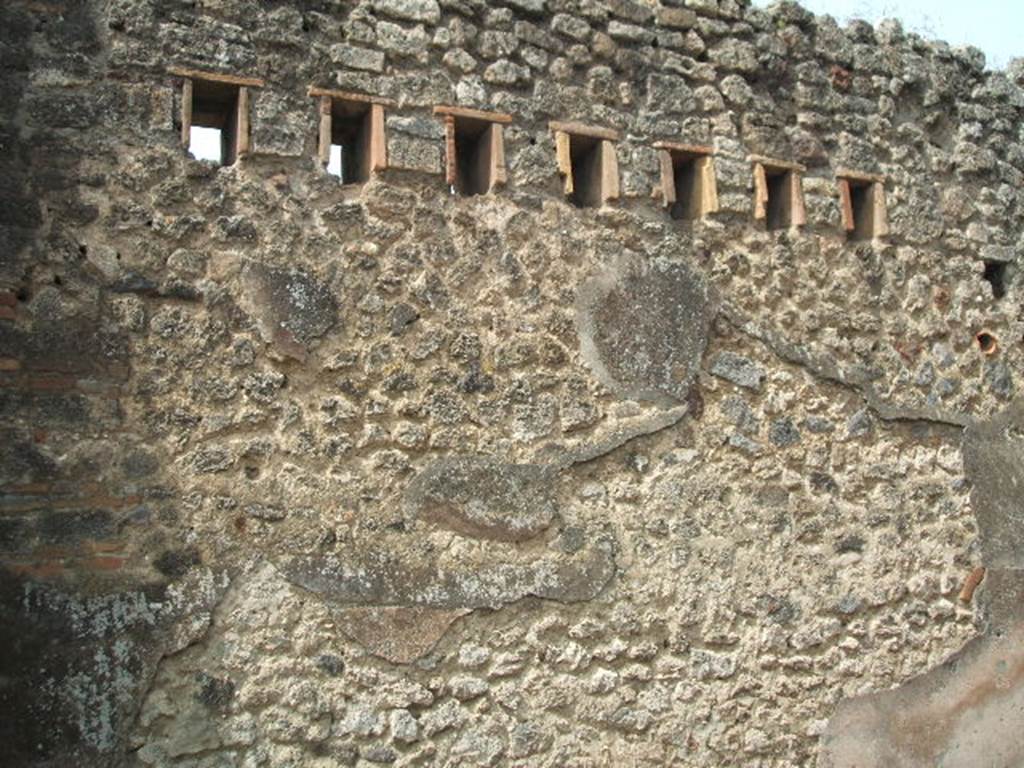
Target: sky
{"x": 994, "y": 26}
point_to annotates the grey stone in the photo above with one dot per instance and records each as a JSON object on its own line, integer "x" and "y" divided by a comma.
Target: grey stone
{"x": 505, "y": 72}
{"x": 643, "y": 328}
{"x": 738, "y": 369}
{"x": 631, "y": 11}
{"x": 293, "y": 308}
{"x": 449, "y": 715}
{"x": 402, "y": 41}
{"x": 994, "y": 462}
{"x": 669, "y": 94}
{"x": 467, "y": 687}
{"x": 737, "y": 55}
{"x": 570, "y": 26}
{"x": 535, "y": 7}
{"x": 745, "y": 444}
{"x": 783, "y": 432}
{"x": 427, "y": 11}
{"x": 407, "y": 150}
{"x": 629, "y": 32}
{"x": 353, "y": 57}
{"x": 495, "y": 44}
{"x": 998, "y": 377}
{"x": 679, "y": 18}
{"x": 708, "y": 665}
{"x": 331, "y": 664}
{"x": 526, "y": 739}
{"x": 404, "y": 727}
{"x": 740, "y": 415}
{"x": 859, "y": 424}
{"x": 402, "y": 316}
{"x": 382, "y": 754}
{"x": 267, "y": 512}
{"x": 372, "y": 578}
{"x": 211, "y": 459}
{"x": 479, "y": 747}
{"x": 460, "y": 60}
{"x": 483, "y": 497}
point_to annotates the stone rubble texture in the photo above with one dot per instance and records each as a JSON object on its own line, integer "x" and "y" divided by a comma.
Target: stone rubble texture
{"x": 301, "y": 474}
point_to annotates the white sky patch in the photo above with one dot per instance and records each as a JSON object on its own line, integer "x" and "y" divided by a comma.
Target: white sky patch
{"x": 994, "y": 26}
{"x": 204, "y": 143}
{"x": 334, "y": 164}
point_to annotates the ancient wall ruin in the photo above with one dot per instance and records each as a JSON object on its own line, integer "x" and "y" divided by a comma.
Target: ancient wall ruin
{"x": 302, "y": 473}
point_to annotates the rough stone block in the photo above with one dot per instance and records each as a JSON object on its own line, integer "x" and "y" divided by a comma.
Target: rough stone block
{"x": 643, "y": 328}
{"x": 426, "y": 11}
{"x": 354, "y": 57}
{"x": 483, "y": 497}
{"x": 293, "y": 308}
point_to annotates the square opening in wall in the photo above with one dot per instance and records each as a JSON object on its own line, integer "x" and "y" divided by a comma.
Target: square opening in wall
{"x": 351, "y": 143}
{"x": 213, "y": 133}
{"x": 862, "y": 197}
{"x": 351, "y": 129}
{"x": 863, "y": 208}
{"x": 688, "y": 189}
{"x": 995, "y": 274}
{"x": 779, "y": 208}
{"x": 688, "y": 180}
{"x": 587, "y": 171}
{"x": 587, "y": 162}
{"x": 778, "y": 193}
{"x": 475, "y": 150}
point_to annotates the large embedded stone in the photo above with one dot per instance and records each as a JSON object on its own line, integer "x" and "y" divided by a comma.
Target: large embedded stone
{"x": 968, "y": 712}
{"x": 398, "y": 634}
{"x": 994, "y": 463}
{"x": 572, "y": 570}
{"x": 643, "y": 327}
{"x": 292, "y": 307}
{"x": 482, "y": 497}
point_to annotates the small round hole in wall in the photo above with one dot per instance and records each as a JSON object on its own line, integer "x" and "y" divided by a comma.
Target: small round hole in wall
{"x": 987, "y": 342}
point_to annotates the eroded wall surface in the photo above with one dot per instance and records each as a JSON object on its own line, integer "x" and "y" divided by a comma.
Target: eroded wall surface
{"x": 296, "y": 474}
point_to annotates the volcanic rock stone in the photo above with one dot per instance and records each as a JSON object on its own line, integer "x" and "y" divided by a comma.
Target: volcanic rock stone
{"x": 292, "y": 307}
{"x": 482, "y": 497}
{"x": 643, "y": 328}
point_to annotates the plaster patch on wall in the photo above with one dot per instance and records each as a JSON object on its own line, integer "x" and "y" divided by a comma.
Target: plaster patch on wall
{"x": 969, "y": 710}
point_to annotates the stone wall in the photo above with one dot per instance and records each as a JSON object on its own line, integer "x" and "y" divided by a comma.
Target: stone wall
{"x": 301, "y": 474}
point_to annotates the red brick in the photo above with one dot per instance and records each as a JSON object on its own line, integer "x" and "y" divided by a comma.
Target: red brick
{"x": 107, "y": 547}
{"x": 51, "y": 383}
{"x": 108, "y": 563}
{"x": 8, "y": 299}
{"x": 44, "y": 569}
{"x": 28, "y": 488}
{"x": 7, "y": 313}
